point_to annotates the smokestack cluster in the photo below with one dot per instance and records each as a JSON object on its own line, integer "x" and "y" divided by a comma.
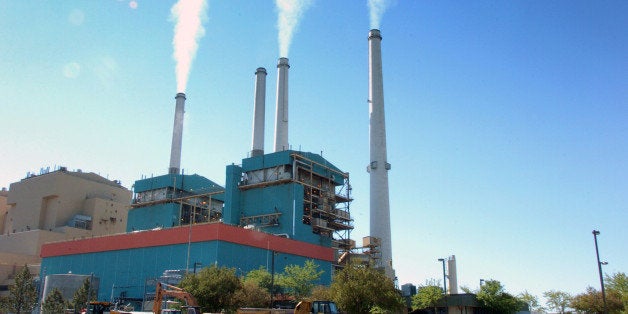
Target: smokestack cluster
{"x": 177, "y": 135}
{"x": 379, "y": 166}
{"x": 281, "y": 113}
{"x": 259, "y": 115}
{"x": 281, "y": 109}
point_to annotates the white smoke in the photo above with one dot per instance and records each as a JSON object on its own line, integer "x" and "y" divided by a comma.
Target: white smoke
{"x": 376, "y": 9}
{"x": 188, "y": 16}
{"x": 290, "y": 12}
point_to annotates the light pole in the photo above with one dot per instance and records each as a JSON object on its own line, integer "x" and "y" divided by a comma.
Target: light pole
{"x": 599, "y": 267}
{"x": 272, "y": 278}
{"x": 481, "y": 282}
{"x": 444, "y": 276}
{"x": 197, "y": 264}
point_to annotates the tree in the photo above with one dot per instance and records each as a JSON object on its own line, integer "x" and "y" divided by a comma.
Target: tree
{"x": 592, "y": 302}
{"x": 531, "y": 300}
{"x": 299, "y": 281}
{"x": 427, "y": 296}
{"x": 4, "y": 304}
{"x": 321, "y": 293}
{"x": 618, "y": 282}
{"x": 251, "y": 295}
{"x": 213, "y": 287}
{"x": 557, "y": 300}
{"x": 23, "y": 293}
{"x": 82, "y": 295}
{"x": 358, "y": 289}
{"x": 54, "y": 302}
{"x": 261, "y": 277}
{"x": 496, "y": 300}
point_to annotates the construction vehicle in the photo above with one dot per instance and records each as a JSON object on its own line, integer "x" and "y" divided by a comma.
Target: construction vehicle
{"x": 163, "y": 290}
{"x": 103, "y": 307}
{"x": 303, "y": 307}
{"x": 325, "y": 307}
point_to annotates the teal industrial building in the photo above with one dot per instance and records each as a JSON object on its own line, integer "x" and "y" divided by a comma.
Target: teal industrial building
{"x": 275, "y": 210}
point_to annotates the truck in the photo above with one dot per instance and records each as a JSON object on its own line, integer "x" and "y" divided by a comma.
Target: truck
{"x": 303, "y": 307}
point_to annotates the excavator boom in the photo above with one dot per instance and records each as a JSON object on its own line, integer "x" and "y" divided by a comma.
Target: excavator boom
{"x": 163, "y": 290}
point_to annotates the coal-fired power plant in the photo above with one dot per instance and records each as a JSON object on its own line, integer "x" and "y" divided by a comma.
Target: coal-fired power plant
{"x": 177, "y": 135}
{"x": 281, "y": 113}
{"x": 379, "y": 166}
{"x": 259, "y": 115}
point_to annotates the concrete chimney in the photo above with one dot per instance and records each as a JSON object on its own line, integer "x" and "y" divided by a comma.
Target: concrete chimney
{"x": 177, "y": 135}
{"x": 453, "y": 278}
{"x": 257, "y": 148}
{"x": 281, "y": 113}
{"x": 379, "y": 166}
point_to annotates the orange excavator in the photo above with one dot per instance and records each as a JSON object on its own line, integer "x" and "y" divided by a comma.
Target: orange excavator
{"x": 163, "y": 290}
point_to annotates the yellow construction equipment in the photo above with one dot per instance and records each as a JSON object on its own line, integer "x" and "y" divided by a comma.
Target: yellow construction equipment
{"x": 303, "y": 307}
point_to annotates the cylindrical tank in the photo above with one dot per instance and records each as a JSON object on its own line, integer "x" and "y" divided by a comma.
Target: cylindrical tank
{"x": 68, "y": 284}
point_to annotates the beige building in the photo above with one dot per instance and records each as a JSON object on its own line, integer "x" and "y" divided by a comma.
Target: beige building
{"x": 56, "y": 206}
{"x": 4, "y": 208}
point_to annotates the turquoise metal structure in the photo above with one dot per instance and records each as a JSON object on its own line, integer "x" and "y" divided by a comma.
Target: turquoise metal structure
{"x": 173, "y": 200}
{"x": 299, "y": 195}
{"x": 291, "y": 205}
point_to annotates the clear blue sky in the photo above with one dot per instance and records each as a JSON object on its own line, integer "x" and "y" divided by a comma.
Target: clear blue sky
{"x": 507, "y": 121}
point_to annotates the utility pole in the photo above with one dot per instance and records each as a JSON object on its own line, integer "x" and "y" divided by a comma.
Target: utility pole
{"x": 599, "y": 267}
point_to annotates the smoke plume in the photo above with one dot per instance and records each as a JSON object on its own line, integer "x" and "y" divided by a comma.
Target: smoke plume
{"x": 376, "y": 9}
{"x": 289, "y": 14}
{"x": 188, "y": 16}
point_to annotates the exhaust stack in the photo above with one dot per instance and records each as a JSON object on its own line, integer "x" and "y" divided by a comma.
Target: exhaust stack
{"x": 281, "y": 113}
{"x": 452, "y": 275}
{"x": 379, "y": 166}
{"x": 257, "y": 148}
{"x": 177, "y": 135}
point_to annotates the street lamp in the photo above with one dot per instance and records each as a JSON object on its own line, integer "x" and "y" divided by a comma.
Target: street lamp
{"x": 272, "y": 277}
{"x": 599, "y": 266}
{"x": 197, "y": 264}
{"x": 481, "y": 282}
{"x": 444, "y": 276}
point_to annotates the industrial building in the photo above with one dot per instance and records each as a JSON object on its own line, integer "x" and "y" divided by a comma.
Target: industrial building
{"x": 4, "y": 208}
{"x": 275, "y": 209}
{"x": 54, "y": 206}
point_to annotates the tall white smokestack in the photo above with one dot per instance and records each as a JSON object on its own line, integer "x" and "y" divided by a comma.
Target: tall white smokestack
{"x": 257, "y": 148}
{"x": 177, "y": 135}
{"x": 379, "y": 166}
{"x": 281, "y": 113}
{"x": 452, "y": 276}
